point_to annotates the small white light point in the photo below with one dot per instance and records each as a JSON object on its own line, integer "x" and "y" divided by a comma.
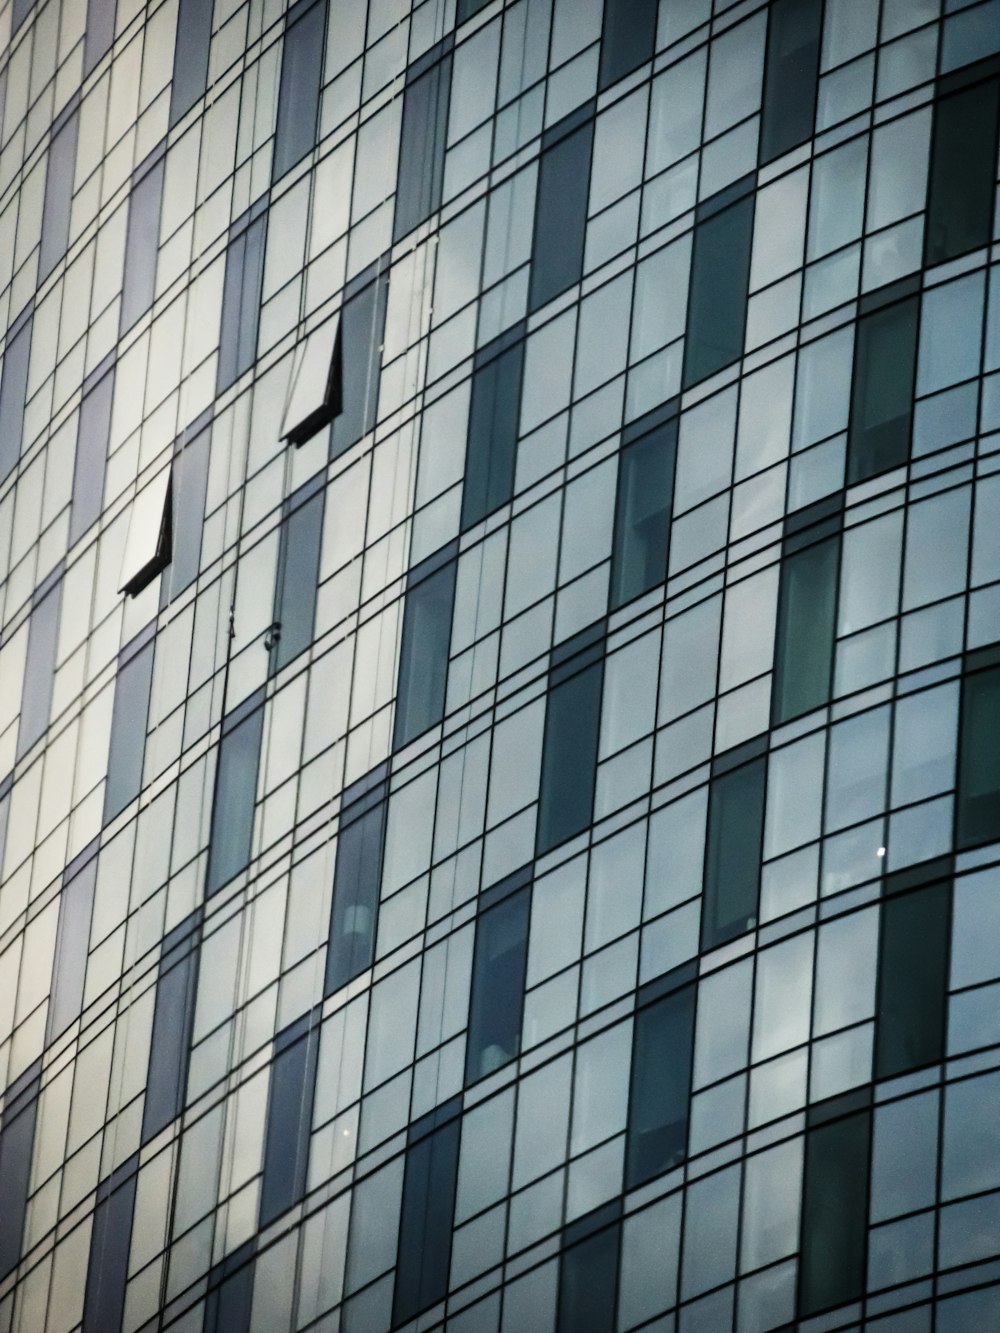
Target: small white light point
{"x": 880, "y": 852}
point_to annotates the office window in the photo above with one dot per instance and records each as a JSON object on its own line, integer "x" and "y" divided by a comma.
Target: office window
{"x": 423, "y": 139}
{"x": 834, "y": 1213}
{"x": 298, "y": 93}
{"x": 110, "y": 1240}
{"x": 20, "y": 9}
{"x": 191, "y": 47}
{"x": 720, "y": 274}
{"x": 40, "y": 665}
{"x": 13, "y": 386}
{"x": 885, "y": 356}
{"x": 423, "y": 654}
{"x": 142, "y": 240}
{"x": 362, "y": 327}
{"x": 561, "y": 209}
{"x": 979, "y": 753}
{"x": 17, "y": 1139}
{"x": 58, "y": 204}
{"x": 188, "y": 485}
{"x": 100, "y": 32}
{"x": 298, "y": 573}
{"x": 494, "y": 414}
{"x": 93, "y": 434}
{"x": 642, "y": 514}
{"x": 588, "y": 1272}
{"x": 424, "y": 1253}
{"x": 69, "y": 964}
{"x": 149, "y": 545}
{"x": 173, "y": 1016}
{"x": 962, "y": 184}
{"x": 733, "y": 847}
{"x": 807, "y": 609}
{"x": 627, "y": 38}
{"x": 466, "y": 9}
{"x": 790, "y": 76}
{"x": 357, "y": 880}
{"x": 496, "y": 1003}
{"x": 229, "y": 1304}
{"x": 912, "y": 979}
{"x": 572, "y": 730}
{"x": 316, "y": 392}
{"x": 241, "y": 295}
{"x": 235, "y": 792}
{"x": 128, "y": 725}
{"x": 660, "y": 1086}
{"x": 289, "y": 1116}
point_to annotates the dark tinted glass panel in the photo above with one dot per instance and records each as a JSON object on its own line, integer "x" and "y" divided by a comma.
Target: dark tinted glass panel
{"x": 628, "y": 37}
{"x": 807, "y": 605}
{"x": 13, "y": 385}
{"x": 189, "y": 483}
{"x": 58, "y": 196}
{"x": 423, "y": 656}
{"x": 421, "y": 146}
{"x": 962, "y": 184}
{"x": 100, "y": 31}
{"x": 235, "y": 791}
{"x": 141, "y": 245}
{"x": 229, "y": 1304}
{"x": 717, "y": 304}
{"x": 17, "y": 1137}
{"x": 569, "y": 756}
{"x": 790, "y": 76}
{"x": 979, "y": 759}
{"x": 560, "y": 215}
{"x": 732, "y": 862}
{"x": 356, "y": 882}
{"x": 194, "y": 35}
{"x": 913, "y": 980}
{"x": 92, "y": 436}
{"x": 494, "y": 413}
{"x": 362, "y": 325}
{"x": 661, "y": 1087}
{"x": 497, "y": 1000}
{"x": 885, "y": 352}
{"x": 298, "y": 96}
{"x": 170, "y": 1043}
{"x": 110, "y": 1239}
{"x": 39, "y": 670}
{"x": 241, "y": 295}
{"x": 128, "y": 731}
{"x": 466, "y": 8}
{"x": 298, "y": 572}
{"x": 588, "y": 1281}
{"x": 19, "y": 12}
{"x": 642, "y": 515}
{"x": 426, "y": 1222}
{"x": 289, "y": 1114}
{"x": 834, "y": 1209}
{"x": 69, "y": 966}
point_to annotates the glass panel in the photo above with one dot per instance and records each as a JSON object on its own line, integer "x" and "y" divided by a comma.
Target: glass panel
{"x": 194, "y": 33}
{"x": 107, "y": 1271}
{"x": 560, "y": 215}
{"x": 39, "y": 670}
{"x": 913, "y": 980}
{"x": 170, "y": 1042}
{"x": 316, "y": 392}
{"x": 93, "y": 433}
{"x": 69, "y": 967}
{"x": 289, "y": 1115}
{"x": 732, "y": 863}
{"x": 149, "y": 544}
{"x": 569, "y": 758}
{"x": 425, "y": 1225}
{"x": 100, "y": 31}
{"x": 882, "y": 398}
{"x": 963, "y": 172}
{"x": 362, "y": 325}
{"x": 141, "y": 246}
{"x": 627, "y": 39}
{"x": 642, "y": 514}
{"x": 298, "y": 95}
{"x": 17, "y": 1137}
{"x": 58, "y": 196}
{"x": 298, "y": 574}
{"x": 189, "y": 485}
{"x": 790, "y": 76}
{"x": 128, "y": 730}
{"x": 660, "y": 1087}
{"x": 807, "y": 604}
{"x": 497, "y": 996}
{"x": 979, "y": 759}
{"x": 13, "y": 385}
{"x": 423, "y": 656}
{"x": 241, "y": 295}
{"x": 356, "y": 882}
{"x": 466, "y": 9}
{"x": 588, "y": 1280}
{"x": 834, "y": 1209}
{"x": 717, "y": 304}
{"x": 230, "y": 1302}
{"x": 492, "y": 440}
{"x": 421, "y": 145}
{"x": 235, "y": 791}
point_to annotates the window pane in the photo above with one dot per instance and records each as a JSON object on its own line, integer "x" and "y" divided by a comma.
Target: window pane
{"x": 560, "y": 214}
{"x": 58, "y": 196}
{"x": 834, "y": 1208}
{"x": 314, "y": 396}
{"x": 882, "y": 398}
{"x": 69, "y": 966}
{"x": 422, "y": 144}
{"x": 362, "y": 326}
{"x": 235, "y": 791}
{"x": 100, "y": 31}
{"x": 173, "y": 1015}
{"x": 717, "y": 304}
{"x": 110, "y": 1239}
{"x": 588, "y": 1280}
{"x": 494, "y": 413}
{"x": 642, "y": 514}
{"x": 241, "y": 293}
{"x": 189, "y": 485}
{"x": 979, "y": 759}
{"x": 289, "y": 1115}
{"x": 569, "y": 758}
{"x": 229, "y": 1303}
{"x": 356, "y": 881}
{"x": 39, "y": 670}
{"x": 913, "y": 980}
{"x": 807, "y": 604}
{"x": 298, "y": 95}
{"x": 661, "y": 1087}
{"x": 128, "y": 730}
{"x": 13, "y": 385}
{"x": 627, "y": 39}
{"x": 425, "y": 1225}
{"x": 194, "y": 33}
{"x": 732, "y": 863}
{"x": 963, "y": 171}
{"x": 17, "y": 1137}
{"x": 298, "y": 573}
{"x": 141, "y": 245}
{"x": 497, "y": 997}
{"x": 790, "y": 76}
{"x": 93, "y": 433}
{"x": 149, "y": 544}
{"x": 423, "y": 656}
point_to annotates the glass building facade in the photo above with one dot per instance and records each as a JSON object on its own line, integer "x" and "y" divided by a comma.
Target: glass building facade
{"x": 499, "y": 666}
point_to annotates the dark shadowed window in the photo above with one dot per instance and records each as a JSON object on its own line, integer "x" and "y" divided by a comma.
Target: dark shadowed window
{"x": 588, "y": 1272}
{"x": 572, "y": 730}
{"x": 561, "y": 208}
{"x": 720, "y": 275}
{"x": 58, "y": 193}
{"x": 423, "y": 139}
{"x": 298, "y": 93}
{"x": 494, "y": 414}
{"x": 660, "y": 1086}
{"x": 298, "y": 573}
{"x": 790, "y": 76}
{"x": 428, "y": 1211}
{"x": 289, "y": 1115}
{"x": 129, "y": 724}
{"x": 979, "y": 750}
{"x": 962, "y": 183}
{"x": 627, "y": 37}
{"x": 357, "y": 880}
{"x": 807, "y": 609}
{"x": 241, "y": 294}
{"x": 497, "y": 998}
{"x": 191, "y": 47}
{"x": 885, "y": 359}
{"x": 173, "y": 1016}
{"x": 235, "y": 792}
{"x": 912, "y": 977}
{"x": 423, "y": 655}
{"x": 142, "y": 239}
{"x": 643, "y": 505}
{"x": 733, "y": 851}
{"x": 834, "y": 1209}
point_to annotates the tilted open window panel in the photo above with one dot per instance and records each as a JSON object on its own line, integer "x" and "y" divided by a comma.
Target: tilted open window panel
{"x": 149, "y": 545}
{"x": 317, "y": 385}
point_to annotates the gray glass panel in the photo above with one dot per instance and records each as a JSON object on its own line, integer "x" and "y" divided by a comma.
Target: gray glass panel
{"x": 497, "y": 998}
{"x": 807, "y": 608}
{"x": 356, "y": 883}
{"x": 235, "y": 792}
{"x": 979, "y": 759}
{"x": 17, "y": 1137}
{"x": 141, "y": 246}
{"x": 560, "y": 215}
{"x": 466, "y": 9}
{"x": 241, "y": 295}
{"x": 104, "y": 1302}
{"x": 362, "y": 327}
{"x": 628, "y": 37}
{"x": 834, "y": 1213}
{"x": 298, "y": 95}
{"x": 885, "y": 358}
{"x": 229, "y": 1304}
{"x": 421, "y": 147}
{"x": 289, "y": 1114}
{"x": 791, "y": 74}
{"x": 188, "y": 484}
{"x": 93, "y": 433}
{"x": 69, "y": 966}
{"x": 717, "y": 304}
{"x": 128, "y": 731}
{"x": 423, "y": 656}
{"x": 298, "y": 573}
{"x": 494, "y": 413}
{"x": 58, "y": 196}
{"x": 569, "y": 755}
{"x": 13, "y": 386}
{"x": 642, "y": 514}
{"x": 732, "y": 861}
{"x": 39, "y": 670}
{"x": 912, "y": 980}
{"x": 170, "y": 1043}
{"x": 426, "y": 1221}
{"x": 962, "y": 185}
{"x": 19, "y": 12}
{"x": 194, "y": 35}
{"x": 588, "y": 1281}
{"x": 100, "y": 31}
{"x": 660, "y": 1087}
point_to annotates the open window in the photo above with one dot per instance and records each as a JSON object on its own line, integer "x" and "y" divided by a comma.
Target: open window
{"x": 317, "y": 392}
{"x": 149, "y": 545}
